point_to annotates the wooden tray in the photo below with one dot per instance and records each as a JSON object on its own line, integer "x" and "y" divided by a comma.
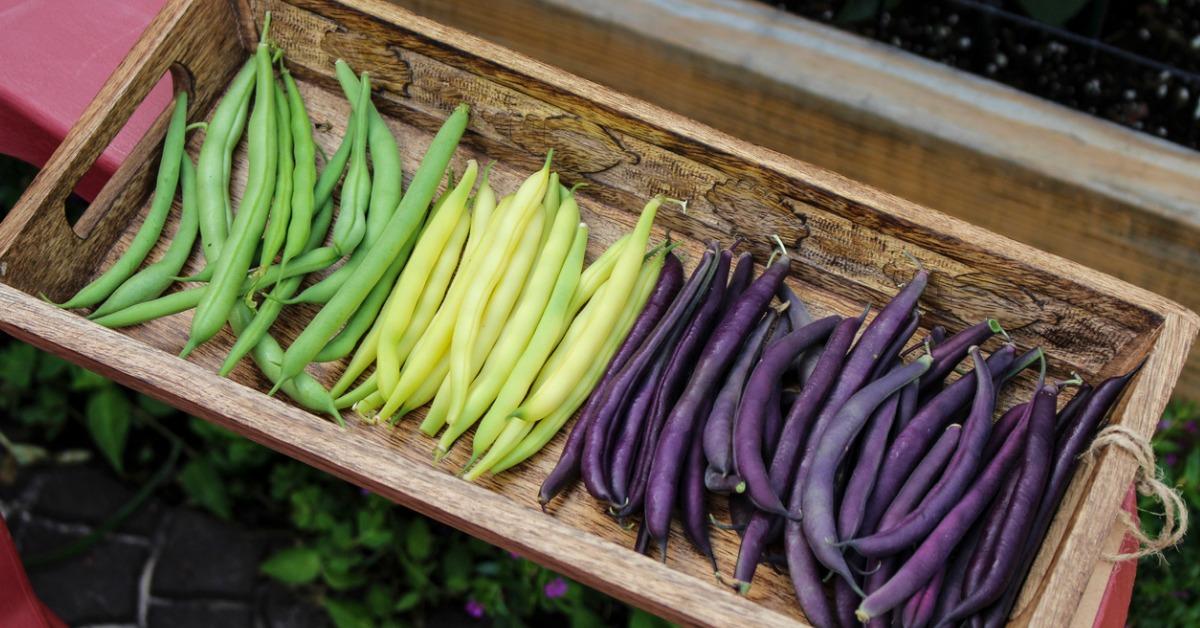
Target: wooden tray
{"x": 849, "y": 241}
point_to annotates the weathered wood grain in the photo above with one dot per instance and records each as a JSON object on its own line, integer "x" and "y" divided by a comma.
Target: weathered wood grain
{"x": 1110, "y": 198}
{"x": 849, "y": 240}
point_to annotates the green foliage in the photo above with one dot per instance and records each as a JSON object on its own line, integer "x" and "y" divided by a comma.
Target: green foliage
{"x": 1053, "y": 12}
{"x": 1166, "y": 592}
{"x": 108, "y": 421}
{"x": 295, "y": 565}
{"x": 861, "y": 10}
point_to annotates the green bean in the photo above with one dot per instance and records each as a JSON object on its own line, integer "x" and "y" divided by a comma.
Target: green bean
{"x": 267, "y": 354}
{"x": 236, "y": 255}
{"x": 145, "y": 311}
{"x": 344, "y": 342}
{"x": 281, "y": 204}
{"x": 212, "y": 169}
{"x": 403, "y": 223}
{"x": 310, "y": 262}
{"x": 150, "y": 230}
{"x": 358, "y": 394}
{"x": 153, "y": 280}
{"x": 385, "y": 191}
{"x": 520, "y": 327}
{"x": 525, "y": 438}
{"x": 271, "y": 307}
{"x": 386, "y": 177}
{"x": 304, "y": 173}
{"x": 351, "y": 226}
{"x": 616, "y": 293}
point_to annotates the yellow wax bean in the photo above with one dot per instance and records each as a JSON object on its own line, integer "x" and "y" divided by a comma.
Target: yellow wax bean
{"x": 550, "y": 327}
{"x": 416, "y": 273}
{"x": 521, "y": 438}
{"x": 433, "y": 344}
{"x": 364, "y": 357}
{"x": 520, "y": 327}
{"x": 510, "y": 234}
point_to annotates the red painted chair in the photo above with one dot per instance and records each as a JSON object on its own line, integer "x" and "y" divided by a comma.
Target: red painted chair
{"x": 59, "y": 54}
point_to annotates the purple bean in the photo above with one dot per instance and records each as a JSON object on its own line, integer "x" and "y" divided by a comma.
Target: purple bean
{"x": 566, "y": 470}
{"x": 862, "y": 359}
{"x": 643, "y": 540}
{"x": 773, "y": 418}
{"x": 844, "y": 602}
{"x": 819, "y": 521}
{"x": 947, "y": 354}
{"x": 804, "y": 570}
{"x": 620, "y": 388}
{"x": 723, "y": 484}
{"x": 924, "y": 476}
{"x": 758, "y": 397}
{"x": 908, "y": 405}
{"x": 1014, "y": 526}
{"x": 718, "y": 430}
{"x": 631, "y": 436}
{"x": 707, "y": 373}
{"x": 1072, "y": 408}
{"x": 923, "y": 614}
{"x": 755, "y": 538}
{"x": 937, "y": 335}
{"x": 952, "y": 588}
{"x": 670, "y": 386}
{"x": 881, "y": 571}
{"x": 797, "y": 311}
{"x": 795, "y": 434}
{"x": 862, "y": 477}
{"x": 933, "y": 552}
{"x": 1070, "y": 444}
{"x": 739, "y": 279}
{"x": 892, "y": 352}
{"x": 1003, "y": 427}
{"x": 989, "y": 531}
{"x": 692, "y": 505}
{"x": 959, "y": 474}
{"x": 913, "y": 441}
{"x": 741, "y": 511}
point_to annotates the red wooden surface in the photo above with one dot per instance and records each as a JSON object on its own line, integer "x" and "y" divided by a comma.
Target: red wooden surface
{"x": 57, "y": 55}
{"x": 19, "y": 607}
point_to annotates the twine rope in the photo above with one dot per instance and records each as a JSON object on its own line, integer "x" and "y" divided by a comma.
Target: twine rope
{"x": 1149, "y": 482}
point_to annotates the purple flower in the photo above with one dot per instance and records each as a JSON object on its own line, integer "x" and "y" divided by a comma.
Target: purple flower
{"x": 1192, "y": 426}
{"x": 1171, "y": 460}
{"x": 1164, "y": 424}
{"x": 514, "y": 556}
{"x": 556, "y": 588}
{"x": 474, "y": 609}
{"x": 1181, "y": 594}
{"x": 364, "y": 492}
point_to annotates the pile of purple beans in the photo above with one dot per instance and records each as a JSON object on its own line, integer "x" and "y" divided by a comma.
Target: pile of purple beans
{"x": 897, "y": 498}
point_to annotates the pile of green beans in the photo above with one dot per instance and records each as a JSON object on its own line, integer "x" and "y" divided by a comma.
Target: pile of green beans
{"x": 477, "y": 302}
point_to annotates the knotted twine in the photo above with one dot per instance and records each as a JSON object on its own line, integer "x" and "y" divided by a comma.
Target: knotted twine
{"x": 1148, "y": 480}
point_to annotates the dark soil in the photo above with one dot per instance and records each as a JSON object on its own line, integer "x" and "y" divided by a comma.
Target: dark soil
{"x": 1135, "y": 62}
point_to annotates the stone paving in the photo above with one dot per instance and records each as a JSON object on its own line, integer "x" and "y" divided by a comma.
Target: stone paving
{"x": 163, "y": 567}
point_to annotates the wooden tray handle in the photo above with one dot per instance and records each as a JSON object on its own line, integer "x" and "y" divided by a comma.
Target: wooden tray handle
{"x": 39, "y": 251}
